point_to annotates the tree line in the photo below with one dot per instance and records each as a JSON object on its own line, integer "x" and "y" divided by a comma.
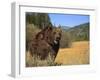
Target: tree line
{"x": 40, "y": 20}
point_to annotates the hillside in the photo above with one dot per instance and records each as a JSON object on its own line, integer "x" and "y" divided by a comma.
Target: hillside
{"x": 80, "y": 32}
{"x": 65, "y": 28}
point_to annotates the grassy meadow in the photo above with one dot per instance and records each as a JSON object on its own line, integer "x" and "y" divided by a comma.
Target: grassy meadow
{"x": 77, "y": 54}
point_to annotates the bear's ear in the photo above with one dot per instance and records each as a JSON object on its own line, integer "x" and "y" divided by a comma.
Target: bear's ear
{"x": 39, "y": 36}
{"x": 48, "y": 28}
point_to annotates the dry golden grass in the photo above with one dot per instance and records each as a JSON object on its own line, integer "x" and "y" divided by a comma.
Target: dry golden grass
{"x": 35, "y": 61}
{"x": 77, "y": 54}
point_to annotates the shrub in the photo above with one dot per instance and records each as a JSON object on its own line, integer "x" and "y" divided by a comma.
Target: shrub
{"x": 65, "y": 40}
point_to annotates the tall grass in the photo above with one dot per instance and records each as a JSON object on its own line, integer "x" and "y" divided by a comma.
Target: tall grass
{"x": 35, "y": 61}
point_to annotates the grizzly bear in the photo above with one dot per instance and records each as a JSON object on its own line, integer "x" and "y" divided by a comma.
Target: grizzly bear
{"x": 45, "y": 42}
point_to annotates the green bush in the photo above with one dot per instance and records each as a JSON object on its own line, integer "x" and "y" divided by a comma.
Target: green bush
{"x": 65, "y": 40}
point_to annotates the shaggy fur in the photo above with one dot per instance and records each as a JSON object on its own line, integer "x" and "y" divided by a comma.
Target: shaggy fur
{"x": 46, "y": 41}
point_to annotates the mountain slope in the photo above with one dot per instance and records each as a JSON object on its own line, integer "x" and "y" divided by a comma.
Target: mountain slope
{"x": 80, "y": 32}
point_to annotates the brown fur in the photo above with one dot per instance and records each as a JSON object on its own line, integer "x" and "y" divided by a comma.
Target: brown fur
{"x": 43, "y": 43}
